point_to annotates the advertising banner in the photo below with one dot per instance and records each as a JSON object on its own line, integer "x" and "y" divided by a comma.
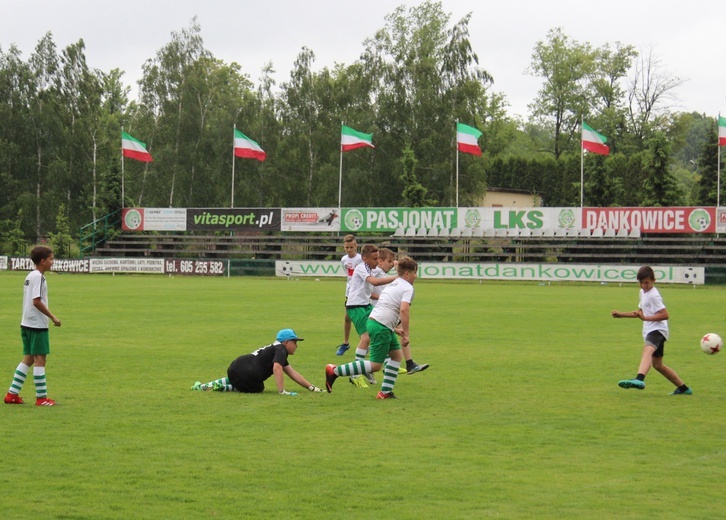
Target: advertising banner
{"x": 233, "y": 219}
{"x": 311, "y": 219}
{"x": 3, "y": 262}
{"x": 195, "y": 267}
{"x": 154, "y": 219}
{"x": 519, "y": 218}
{"x": 509, "y": 271}
{"x": 390, "y": 219}
{"x": 720, "y": 220}
{"x": 127, "y": 265}
{"x": 652, "y": 220}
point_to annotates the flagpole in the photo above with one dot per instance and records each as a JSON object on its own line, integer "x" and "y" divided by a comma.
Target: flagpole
{"x": 123, "y": 193}
{"x": 718, "y": 167}
{"x": 234, "y": 128}
{"x": 582, "y": 166}
{"x": 457, "y": 170}
{"x": 718, "y": 179}
{"x": 340, "y": 176}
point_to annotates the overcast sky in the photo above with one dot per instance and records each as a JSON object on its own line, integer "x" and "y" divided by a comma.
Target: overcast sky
{"x": 685, "y": 36}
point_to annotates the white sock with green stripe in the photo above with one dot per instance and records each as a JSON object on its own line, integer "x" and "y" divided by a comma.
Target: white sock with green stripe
{"x": 355, "y": 368}
{"x": 19, "y": 378}
{"x": 223, "y": 381}
{"x": 40, "y": 384}
{"x": 360, "y": 354}
{"x": 390, "y": 373}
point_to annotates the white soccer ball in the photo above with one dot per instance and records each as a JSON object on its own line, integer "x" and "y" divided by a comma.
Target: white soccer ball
{"x": 711, "y": 343}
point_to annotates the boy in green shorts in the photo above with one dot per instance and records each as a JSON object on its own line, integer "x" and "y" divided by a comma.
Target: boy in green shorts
{"x": 358, "y": 305}
{"x": 34, "y": 330}
{"x": 394, "y": 305}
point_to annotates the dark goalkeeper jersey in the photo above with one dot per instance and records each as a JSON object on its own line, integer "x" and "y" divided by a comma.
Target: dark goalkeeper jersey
{"x": 258, "y": 364}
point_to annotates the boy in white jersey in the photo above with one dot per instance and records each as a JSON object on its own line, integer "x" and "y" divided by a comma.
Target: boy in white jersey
{"x": 358, "y": 306}
{"x": 653, "y": 313}
{"x": 383, "y": 325}
{"x": 386, "y": 261}
{"x": 351, "y": 259}
{"x": 34, "y": 330}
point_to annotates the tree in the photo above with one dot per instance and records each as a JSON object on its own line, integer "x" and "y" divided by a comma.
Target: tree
{"x": 566, "y": 67}
{"x": 659, "y": 186}
{"x": 61, "y": 240}
{"x": 414, "y": 194}
{"x": 651, "y": 92}
{"x": 706, "y": 190}
{"x": 424, "y": 75}
{"x": 163, "y": 90}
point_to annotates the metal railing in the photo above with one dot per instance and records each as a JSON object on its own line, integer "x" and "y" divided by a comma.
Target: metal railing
{"x": 96, "y": 233}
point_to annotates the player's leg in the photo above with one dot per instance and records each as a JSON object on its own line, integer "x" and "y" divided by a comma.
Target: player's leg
{"x": 343, "y": 347}
{"x": 20, "y": 375}
{"x": 359, "y": 318}
{"x": 360, "y": 354}
{"x": 21, "y": 371}
{"x": 411, "y": 366}
{"x": 40, "y": 348}
{"x": 219, "y": 385}
{"x": 346, "y": 329}
{"x": 390, "y": 374}
{"x": 646, "y": 361}
{"x": 670, "y": 375}
{"x": 384, "y": 344}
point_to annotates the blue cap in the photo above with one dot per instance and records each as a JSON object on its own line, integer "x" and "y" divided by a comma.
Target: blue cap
{"x": 286, "y": 335}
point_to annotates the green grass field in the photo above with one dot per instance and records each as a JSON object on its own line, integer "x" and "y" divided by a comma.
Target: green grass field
{"x": 519, "y": 416}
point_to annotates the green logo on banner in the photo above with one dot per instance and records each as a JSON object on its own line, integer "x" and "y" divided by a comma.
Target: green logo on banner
{"x": 132, "y": 219}
{"x": 354, "y": 220}
{"x": 699, "y": 220}
{"x": 472, "y": 218}
{"x": 566, "y": 218}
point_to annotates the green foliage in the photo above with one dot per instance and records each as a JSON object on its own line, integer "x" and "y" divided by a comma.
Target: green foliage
{"x": 417, "y": 75}
{"x": 705, "y": 191}
{"x": 414, "y": 195}
{"x": 13, "y": 236}
{"x": 479, "y": 434}
{"x": 660, "y": 188}
{"x": 61, "y": 241}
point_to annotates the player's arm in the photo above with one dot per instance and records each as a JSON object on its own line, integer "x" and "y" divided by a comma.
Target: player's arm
{"x": 628, "y": 314}
{"x": 38, "y": 304}
{"x": 658, "y": 316}
{"x": 277, "y": 372}
{"x": 404, "y": 316}
{"x": 380, "y": 281}
{"x": 299, "y": 379}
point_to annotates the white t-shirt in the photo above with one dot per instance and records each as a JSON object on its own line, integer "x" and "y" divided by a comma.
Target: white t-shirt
{"x": 377, "y": 289}
{"x": 388, "y": 309}
{"x": 35, "y": 287}
{"x": 359, "y": 290}
{"x": 650, "y": 303}
{"x": 349, "y": 264}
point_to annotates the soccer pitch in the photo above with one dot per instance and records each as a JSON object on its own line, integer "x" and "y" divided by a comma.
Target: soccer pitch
{"x": 519, "y": 416}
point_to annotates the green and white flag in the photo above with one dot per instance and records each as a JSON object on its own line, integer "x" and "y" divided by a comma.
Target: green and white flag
{"x": 467, "y": 139}
{"x": 351, "y": 139}
{"x": 134, "y": 149}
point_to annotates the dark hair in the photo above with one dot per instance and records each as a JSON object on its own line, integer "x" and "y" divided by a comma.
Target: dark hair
{"x": 645, "y": 273}
{"x": 368, "y": 250}
{"x": 406, "y": 264}
{"x": 40, "y": 253}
